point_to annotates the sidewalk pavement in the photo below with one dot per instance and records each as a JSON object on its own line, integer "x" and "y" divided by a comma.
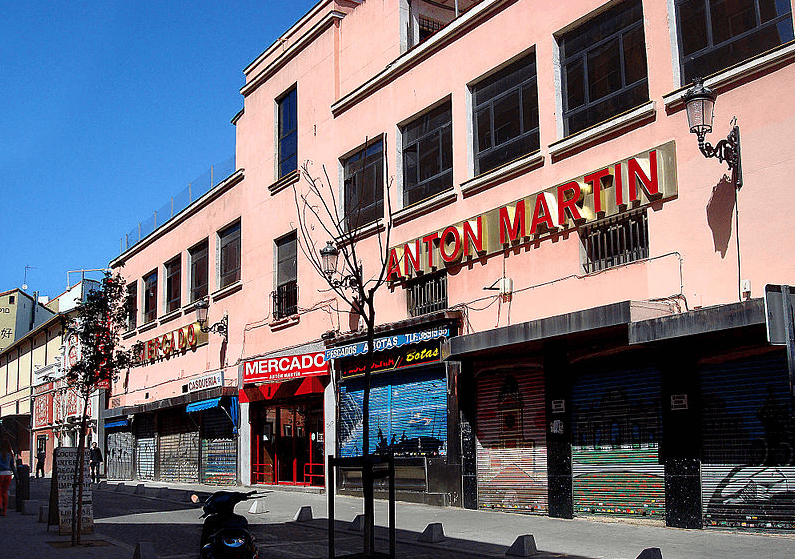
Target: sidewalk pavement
{"x": 468, "y": 533}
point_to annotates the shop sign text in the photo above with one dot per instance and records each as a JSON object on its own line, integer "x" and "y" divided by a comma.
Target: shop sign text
{"x": 610, "y": 190}
{"x": 172, "y": 344}
{"x": 207, "y": 381}
{"x": 389, "y": 342}
{"x": 404, "y": 357}
{"x": 287, "y": 367}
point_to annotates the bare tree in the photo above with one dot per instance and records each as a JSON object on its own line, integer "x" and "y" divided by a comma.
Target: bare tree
{"x": 341, "y": 220}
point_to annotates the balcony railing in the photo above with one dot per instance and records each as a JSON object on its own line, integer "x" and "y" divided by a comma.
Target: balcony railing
{"x": 195, "y": 190}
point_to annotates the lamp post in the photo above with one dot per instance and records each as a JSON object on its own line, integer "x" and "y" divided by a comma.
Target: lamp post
{"x": 329, "y": 256}
{"x": 221, "y": 327}
{"x": 700, "y": 104}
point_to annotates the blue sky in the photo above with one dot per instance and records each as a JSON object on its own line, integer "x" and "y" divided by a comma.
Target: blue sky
{"x": 107, "y": 109}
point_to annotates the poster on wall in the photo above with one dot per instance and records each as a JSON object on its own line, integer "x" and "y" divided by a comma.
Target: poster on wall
{"x": 61, "y": 491}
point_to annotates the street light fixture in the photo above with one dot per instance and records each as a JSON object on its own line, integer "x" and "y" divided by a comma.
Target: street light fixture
{"x": 700, "y": 104}
{"x": 329, "y": 256}
{"x": 221, "y": 328}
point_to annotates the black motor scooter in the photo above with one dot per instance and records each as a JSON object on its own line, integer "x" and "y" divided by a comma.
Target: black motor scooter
{"x": 225, "y": 534}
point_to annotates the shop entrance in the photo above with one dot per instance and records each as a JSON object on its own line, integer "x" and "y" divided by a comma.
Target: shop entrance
{"x": 287, "y": 444}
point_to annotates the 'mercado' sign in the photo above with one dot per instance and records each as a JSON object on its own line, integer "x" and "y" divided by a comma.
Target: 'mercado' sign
{"x": 607, "y": 191}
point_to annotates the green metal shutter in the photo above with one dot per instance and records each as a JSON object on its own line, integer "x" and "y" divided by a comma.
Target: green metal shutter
{"x": 616, "y": 431}
{"x": 748, "y": 463}
{"x": 511, "y": 441}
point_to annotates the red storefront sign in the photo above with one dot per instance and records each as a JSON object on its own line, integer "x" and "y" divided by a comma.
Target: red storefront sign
{"x": 288, "y": 367}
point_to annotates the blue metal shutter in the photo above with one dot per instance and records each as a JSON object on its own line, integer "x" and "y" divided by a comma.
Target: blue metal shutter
{"x": 408, "y": 414}
{"x": 747, "y": 458}
{"x": 616, "y": 430}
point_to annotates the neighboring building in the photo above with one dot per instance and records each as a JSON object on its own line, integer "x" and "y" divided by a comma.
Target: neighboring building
{"x": 585, "y": 328}
{"x": 38, "y": 411}
{"x": 19, "y": 314}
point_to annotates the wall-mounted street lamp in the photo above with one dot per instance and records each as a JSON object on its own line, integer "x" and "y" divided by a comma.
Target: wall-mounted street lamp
{"x": 221, "y": 328}
{"x": 700, "y": 103}
{"x": 329, "y": 255}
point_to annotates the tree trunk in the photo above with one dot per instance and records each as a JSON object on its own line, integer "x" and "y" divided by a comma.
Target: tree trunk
{"x": 367, "y": 478}
{"x": 77, "y": 487}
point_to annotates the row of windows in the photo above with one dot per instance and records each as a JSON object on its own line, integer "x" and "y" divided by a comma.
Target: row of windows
{"x": 603, "y": 73}
{"x": 228, "y": 242}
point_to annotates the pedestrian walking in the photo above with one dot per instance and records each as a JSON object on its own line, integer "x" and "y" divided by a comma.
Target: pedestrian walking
{"x": 41, "y": 456}
{"x": 94, "y": 460}
{"x": 7, "y": 470}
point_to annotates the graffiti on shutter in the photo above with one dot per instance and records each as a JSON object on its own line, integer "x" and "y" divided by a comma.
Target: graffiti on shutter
{"x": 119, "y": 455}
{"x": 144, "y": 427}
{"x": 218, "y": 448}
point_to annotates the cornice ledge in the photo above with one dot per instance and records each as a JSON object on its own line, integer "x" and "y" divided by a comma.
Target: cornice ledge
{"x": 598, "y": 131}
{"x": 784, "y": 54}
{"x": 292, "y": 52}
{"x": 421, "y": 208}
{"x": 419, "y": 53}
{"x": 283, "y": 183}
{"x": 503, "y": 173}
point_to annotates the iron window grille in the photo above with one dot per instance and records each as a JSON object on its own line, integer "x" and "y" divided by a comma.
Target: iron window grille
{"x": 230, "y": 255}
{"x": 150, "y": 297}
{"x": 285, "y": 298}
{"x": 615, "y": 241}
{"x": 716, "y": 34}
{"x": 428, "y": 155}
{"x": 199, "y": 271}
{"x": 288, "y": 132}
{"x": 427, "y": 294}
{"x": 173, "y": 284}
{"x": 428, "y": 27}
{"x": 603, "y": 64}
{"x": 364, "y": 186}
{"x": 506, "y": 115}
{"x": 132, "y": 305}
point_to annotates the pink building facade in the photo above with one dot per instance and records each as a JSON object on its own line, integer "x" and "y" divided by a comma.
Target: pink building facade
{"x": 574, "y": 323}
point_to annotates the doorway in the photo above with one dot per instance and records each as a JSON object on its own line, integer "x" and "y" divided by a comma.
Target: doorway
{"x": 287, "y": 444}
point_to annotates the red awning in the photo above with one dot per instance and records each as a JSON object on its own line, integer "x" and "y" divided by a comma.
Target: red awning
{"x": 281, "y": 390}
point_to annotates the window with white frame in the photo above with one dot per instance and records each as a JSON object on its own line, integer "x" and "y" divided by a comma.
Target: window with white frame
{"x": 716, "y": 34}
{"x": 428, "y": 154}
{"x": 150, "y": 296}
{"x": 505, "y": 107}
{"x": 287, "y": 132}
{"x": 364, "y": 185}
{"x": 199, "y": 271}
{"x": 229, "y": 255}
{"x": 603, "y": 67}
{"x": 285, "y": 298}
{"x": 173, "y": 270}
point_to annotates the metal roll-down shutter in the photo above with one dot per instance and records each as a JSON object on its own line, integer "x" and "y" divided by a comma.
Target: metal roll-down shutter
{"x": 178, "y": 443}
{"x": 144, "y": 429}
{"x": 218, "y": 448}
{"x": 119, "y": 452}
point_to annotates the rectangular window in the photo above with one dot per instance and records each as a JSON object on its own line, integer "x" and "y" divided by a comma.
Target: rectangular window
{"x": 428, "y": 155}
{"x": 173, "y": 284}
{"x": 364, "y": 186}
{"x": 506, "y": 115}
{"x": 285, "y": 298}
{"x": 716, "y": 34}
{"x": 150, "y": 296}
{"x": 132, "y": 305}
{"x": 427, "y": 294}
{"x": 288, "y": 132}
{"x": 615, "y": 241}
{"x": 199, "y": 271}
{"x": 229, "y": 250}
{"x": 603, "y": 66}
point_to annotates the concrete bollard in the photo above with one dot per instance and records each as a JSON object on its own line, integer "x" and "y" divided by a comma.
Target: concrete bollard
{"x": 258, "y": 507}
{"x": 651, "y": 553}
{"x": 120, "y": 487}
{"x": 44, "y": 514}
{"x": 357, "y": 525}
{"x": 434, "y": 533}
{"x": 304, "y": 514}
{"x": 140, "y": 489}
{"x": 144, "y": 550}
{"x": 523, "y": 546}
{"x": 163, "y": 493}
{"x": 31, "y": 507}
